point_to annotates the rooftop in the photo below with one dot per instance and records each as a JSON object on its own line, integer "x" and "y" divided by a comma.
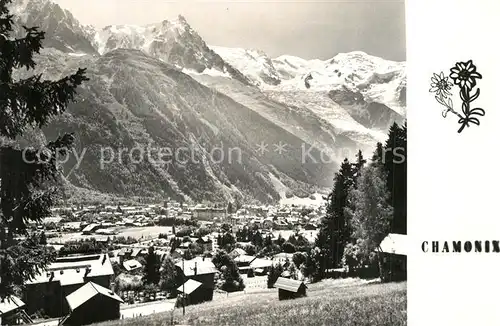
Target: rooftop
{"x": 87, "y": 292}
{"x": 9, "y": 304}
{"x": 71, "y": 270}
{"x": 288, "y": 284}
{"x": 395, "y": 244}
{"x": 189, "y": 287}
{"x": 197, "y": 264}
{"x": 238, "y": 252}
{"x": 131, "y": 264}
{"x": 261, "y": 263}
{"x": 244, "y": 259}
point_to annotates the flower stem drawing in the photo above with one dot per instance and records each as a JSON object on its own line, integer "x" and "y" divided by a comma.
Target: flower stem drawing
{"x": 463, "y": 75}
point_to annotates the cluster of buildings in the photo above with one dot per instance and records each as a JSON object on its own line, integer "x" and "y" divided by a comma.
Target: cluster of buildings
{"x": 92, "y": 218}
{"x": 144, "y": 214}
{"x": 107, "y": 220}
{"x": 77, "y": 289}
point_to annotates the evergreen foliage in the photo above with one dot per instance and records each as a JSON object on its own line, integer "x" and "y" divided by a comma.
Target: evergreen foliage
{"x": 152, "y": 267}
{"x": 29, "y": 177}
{"x": 367, "y": 202}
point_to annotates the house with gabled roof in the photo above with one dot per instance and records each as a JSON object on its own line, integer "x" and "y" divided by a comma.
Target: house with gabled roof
{"x": 12, "y": 311}
{"x": 392, "y": 252}
{"x": 200, "y": 269}
{"x": 48, "y": 289}
{"x": 92, "y": 303}
{"x": 191, "y": 291}
{"x": 89, "y": 229}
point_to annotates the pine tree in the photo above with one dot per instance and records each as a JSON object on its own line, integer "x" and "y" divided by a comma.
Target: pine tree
{"x": 334, "y": 231}
{"x": 268, "y": 242}
{"x": 152, "y": 268}
{"x": 280, "y": 241}
{"x": 395, "y": 167}
{"x": 29, "y": 177}
{"x": 360, "y": 163}
{"x": 378, "y": 154}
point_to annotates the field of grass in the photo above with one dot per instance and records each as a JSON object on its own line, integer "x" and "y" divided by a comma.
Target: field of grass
{"x": 331, "y": 302}
{"x": 134, "y": 232}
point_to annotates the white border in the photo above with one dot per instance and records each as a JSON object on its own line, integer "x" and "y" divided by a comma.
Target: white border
{"x": 452, "y": 178}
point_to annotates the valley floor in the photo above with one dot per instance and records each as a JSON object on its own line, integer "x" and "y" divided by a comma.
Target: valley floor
{"x": 345, "y": 302}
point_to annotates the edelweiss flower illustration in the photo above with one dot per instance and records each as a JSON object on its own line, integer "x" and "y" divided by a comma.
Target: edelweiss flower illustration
{"x": 465, "y": 74}
{"x": 440, "y": 85}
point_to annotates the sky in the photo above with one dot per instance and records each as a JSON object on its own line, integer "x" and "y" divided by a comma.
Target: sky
{"x": 307, "y": 29}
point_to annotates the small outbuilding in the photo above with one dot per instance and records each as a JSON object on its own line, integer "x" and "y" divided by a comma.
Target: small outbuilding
{"x": 290, "y": 289}
{"x": 92, "y": 303}
{"x": 12, "y": 313}
{"x": 392, "y": 252}
{"x": 192, "y": 291}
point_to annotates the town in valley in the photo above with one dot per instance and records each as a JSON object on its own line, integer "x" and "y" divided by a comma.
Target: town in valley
{"x": 119, "y": 247}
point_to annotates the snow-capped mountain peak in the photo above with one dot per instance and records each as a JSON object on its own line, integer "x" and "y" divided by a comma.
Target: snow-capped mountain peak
{"x": 172, "y": 41}
{"x": 146, "y": 37}
{"x": 255, "y": 64}
{"x": 375, "y": 79}
{"x": 62, "y": 30}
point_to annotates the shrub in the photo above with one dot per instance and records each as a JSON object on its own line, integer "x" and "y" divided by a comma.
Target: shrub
{"x": 274, "y": 273}
{"x": 288, "y": 248}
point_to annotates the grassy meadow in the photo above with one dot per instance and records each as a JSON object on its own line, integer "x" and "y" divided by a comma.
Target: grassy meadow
{"x": 330, "y": 302}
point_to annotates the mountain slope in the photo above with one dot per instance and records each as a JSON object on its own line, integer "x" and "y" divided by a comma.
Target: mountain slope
{"x": 243, "y": 125}
{"x": 371, "y": 90}
{"x": 62, "y": 29}
{"x": 133, "y": 101}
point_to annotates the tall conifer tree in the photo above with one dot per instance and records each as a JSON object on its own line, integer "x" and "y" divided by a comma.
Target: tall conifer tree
{"x": 358, "y": 165}
{"x": 395, "y": 167}
{"x": 334, "y": 232}
{"x": 29, "y": 177}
